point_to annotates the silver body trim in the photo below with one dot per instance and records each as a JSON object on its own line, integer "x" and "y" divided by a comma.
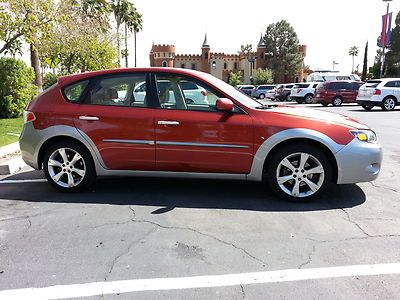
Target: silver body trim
{"x": 89, "y": 118}
{"x": 168, "y": 123}
{"x": 140, "y": 142}
{"x": 165, "y": 143}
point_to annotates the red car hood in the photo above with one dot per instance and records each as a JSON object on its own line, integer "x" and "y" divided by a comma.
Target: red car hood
{"x": 320, "y": 116}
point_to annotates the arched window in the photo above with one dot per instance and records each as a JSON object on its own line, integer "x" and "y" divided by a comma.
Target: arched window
{"x": 182, "y": 66}
{"x": 164, "y": 64}
{"x": 262, "y": 55}
{"x": 214, "y": 64}
{"x": 193, "y": 66}
{"x": 225, "y": 66}
{"x": 206, "y": 55}
{"x": 235, "y": 65}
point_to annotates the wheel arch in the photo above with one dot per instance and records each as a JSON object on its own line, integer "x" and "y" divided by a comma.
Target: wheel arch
{"x": 290, "y": 136}
{"x": 56, "y": 139}
{"x": 391, "y": 96}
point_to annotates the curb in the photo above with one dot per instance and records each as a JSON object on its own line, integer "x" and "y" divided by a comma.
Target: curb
{"x": 10, "y": 159}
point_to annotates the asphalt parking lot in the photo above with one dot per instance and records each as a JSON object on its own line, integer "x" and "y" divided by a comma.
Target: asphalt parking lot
{"x": 134, "y": 229}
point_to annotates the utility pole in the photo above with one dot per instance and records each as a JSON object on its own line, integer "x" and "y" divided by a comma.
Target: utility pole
{"x": 334, "y": 63}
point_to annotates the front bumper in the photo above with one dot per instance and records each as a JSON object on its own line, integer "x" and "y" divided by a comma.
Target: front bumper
{"x": 358, "y": 162}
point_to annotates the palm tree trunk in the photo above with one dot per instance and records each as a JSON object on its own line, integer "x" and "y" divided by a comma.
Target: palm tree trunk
{"x": 118, "y": 46}
{"x": 126, "y": 45}
{"x": 352, "y": 68}
{"x": 35, "y": 63}
{"x": 134, "y": 35}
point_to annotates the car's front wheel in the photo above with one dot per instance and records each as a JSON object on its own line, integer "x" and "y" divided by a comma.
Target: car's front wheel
{"x": 69, "y": 167}
{"x": 309, "y": 99}
{"x": 262, "y": 96}
{"x": 337, "y": 101}
{"x": 298, "y": 172}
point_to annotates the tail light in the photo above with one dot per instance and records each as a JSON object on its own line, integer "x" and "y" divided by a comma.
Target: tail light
{"x": 29, "y": 116}
{"x": 204, "y": 93}
{"x": 254, "y": 89}
{"x": 299, "y": 91}
{"x": 377, "y": 92}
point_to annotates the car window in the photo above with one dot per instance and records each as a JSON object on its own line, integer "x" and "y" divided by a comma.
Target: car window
{"x": 373, "y": 83}
{"x": 172, "y": 95}
{"x": 74, "y": 91}
{"x": 189, "y": 85}
{"x": 119, "y": 90}
{"x": 393, "y": 84}
{"x": 335, "y": 86}
{"x": 355, "y": 86}
{"x": 315, "y": 85}
{"x": 301, "y": 86}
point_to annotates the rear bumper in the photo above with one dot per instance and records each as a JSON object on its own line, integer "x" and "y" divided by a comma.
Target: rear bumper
{"x": 367, "y": 102}
{"x": 358, "y": 162}
{"x": 28, "y": 142}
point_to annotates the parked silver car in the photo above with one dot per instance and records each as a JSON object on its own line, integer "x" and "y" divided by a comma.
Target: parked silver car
{"x": 261, "y": 91}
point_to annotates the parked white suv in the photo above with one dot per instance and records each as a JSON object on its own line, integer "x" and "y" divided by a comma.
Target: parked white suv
{"x": 383, "y": 92}
{"x": 303, "y": 92}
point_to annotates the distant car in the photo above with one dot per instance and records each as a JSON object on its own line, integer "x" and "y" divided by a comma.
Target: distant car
{"x": 270, "y": 94}
{"x": 381, "y": 92}
{"x": 283, "y": 91}
{"x": 261, "y": 91}
{"x": 246, "y": 89}
{"x": 303, "y": 92}
{"x": 337, "y": 92}
{"x": 331, "y": 76}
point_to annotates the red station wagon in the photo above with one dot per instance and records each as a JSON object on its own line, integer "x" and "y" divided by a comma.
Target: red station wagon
{"x": 337, "y": 92}
{"x": 138, "y": 122}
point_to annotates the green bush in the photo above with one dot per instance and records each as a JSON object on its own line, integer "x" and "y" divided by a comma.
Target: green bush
{"x": 49, "y": 79}
{"x": 16, "y": 88}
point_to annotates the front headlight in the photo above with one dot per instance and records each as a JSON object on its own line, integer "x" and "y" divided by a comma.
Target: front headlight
{"x": 365, "y": 135}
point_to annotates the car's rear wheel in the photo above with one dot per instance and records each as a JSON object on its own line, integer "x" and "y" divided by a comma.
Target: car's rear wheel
{"x": 337, "y": 101}
{"x": 324, "y": 104}
{"x": 388, "y": 104}
{"x": 308, "y": 99}
{"x": 299, "y": 101}
{"x": 69, "y": 167}
{"x": 298, "y": 172}
{"x": 262, "y": 96}
{"x": 367, "y": 106}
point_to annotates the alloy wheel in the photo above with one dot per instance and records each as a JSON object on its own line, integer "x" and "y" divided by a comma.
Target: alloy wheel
{"x": 300, "y": 175}
{"x": 389, "y": 104}
{"x": 66, "y": 167}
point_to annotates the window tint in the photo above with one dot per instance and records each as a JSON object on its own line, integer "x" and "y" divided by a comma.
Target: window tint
{"x": 301, "y": 86}
{"x": 373, "y": 83}
{"x": 355, "y": 86}
{"x": 315, "y": 85}
{"x": 122, "y": 90}
{"x": 336, "y": 86}
{"x": 173, "y": 93}
{"x": 74, "y": 91}
{"x": 393, "y": 84}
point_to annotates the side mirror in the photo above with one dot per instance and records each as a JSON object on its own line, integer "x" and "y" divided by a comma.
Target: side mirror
{"x": 224, "y": 104}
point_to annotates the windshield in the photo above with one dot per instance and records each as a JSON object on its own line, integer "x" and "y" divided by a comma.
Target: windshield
{"x": 231, "y": 91}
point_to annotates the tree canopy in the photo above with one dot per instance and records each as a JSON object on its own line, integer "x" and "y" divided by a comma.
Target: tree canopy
{"x": 282, "y": 51}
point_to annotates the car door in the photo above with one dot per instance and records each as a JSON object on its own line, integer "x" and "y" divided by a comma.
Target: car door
{"x": 197, "y": 137}
{"x": 120, "y": 126}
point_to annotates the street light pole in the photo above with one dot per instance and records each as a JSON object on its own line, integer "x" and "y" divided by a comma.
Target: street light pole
{"x": 384, "y": 43}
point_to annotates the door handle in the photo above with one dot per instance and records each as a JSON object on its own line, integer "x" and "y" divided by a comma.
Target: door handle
{"x": 168, "y": 123}
{"x": 88, "y": 118}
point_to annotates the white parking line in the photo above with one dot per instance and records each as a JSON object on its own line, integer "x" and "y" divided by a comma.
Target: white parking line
{"x": 135, "y": 285}
{"x": 22, "y": 181}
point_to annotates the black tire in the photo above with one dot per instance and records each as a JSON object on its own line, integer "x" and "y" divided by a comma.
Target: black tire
{"x": 261, "y": 96}
{"x": 337, "y": 101}
{"x": 299, "y": 101}
{"x": 288, "y": 98}
{"x": 367, "y": 107}
{"x": 86, "y": 160}
{"x": 389, "y": 103}
{"x": 271, "y": 169}
{"x": 324, "y": 104}
{"x": 308, "y": 99}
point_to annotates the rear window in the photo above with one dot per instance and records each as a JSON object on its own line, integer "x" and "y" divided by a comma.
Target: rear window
{"x": 372, "y": 83}
{"x": 74, "y": 91}
{"x": 393, "y": 84}
{"x": 301, "y": 86}
{"x": 265, "y": 87}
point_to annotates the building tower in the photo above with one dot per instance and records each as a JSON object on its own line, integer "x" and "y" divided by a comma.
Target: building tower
{"x": 260, "y": 59}
{"x": 205, "y": 56}
{"x": 162, "y": 56}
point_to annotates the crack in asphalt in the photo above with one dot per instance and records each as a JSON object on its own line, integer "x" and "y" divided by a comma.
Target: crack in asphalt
{"x": 243, "y": 293}
{"x": 309, "y": 259}
{"x": 243, "y": 250}
{"x": 29, "y": 226}
{"x": 384, "y": 187}
{"x": 349, "y": 219}
{"x": 127, "y": 250}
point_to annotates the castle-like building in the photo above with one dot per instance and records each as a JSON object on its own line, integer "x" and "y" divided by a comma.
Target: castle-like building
{"x": 217, "y": 64}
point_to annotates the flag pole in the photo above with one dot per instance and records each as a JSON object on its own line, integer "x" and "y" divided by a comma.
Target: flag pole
{"x": 384, "y": 43}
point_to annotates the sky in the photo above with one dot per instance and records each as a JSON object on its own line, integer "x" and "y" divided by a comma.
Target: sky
{"x": 328, "y": 28}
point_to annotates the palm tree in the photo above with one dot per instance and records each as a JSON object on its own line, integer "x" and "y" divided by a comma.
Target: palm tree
{"x": 133, "y": 22}
{"x": 353, "y": 52}
{"x": 120, "y": 9}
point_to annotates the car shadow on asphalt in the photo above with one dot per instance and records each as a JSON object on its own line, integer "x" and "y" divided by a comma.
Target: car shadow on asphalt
{"x": 183, "y": 193}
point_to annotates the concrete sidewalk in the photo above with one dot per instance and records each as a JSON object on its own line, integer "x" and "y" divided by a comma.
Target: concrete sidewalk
{"x": 10, "y": 159}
